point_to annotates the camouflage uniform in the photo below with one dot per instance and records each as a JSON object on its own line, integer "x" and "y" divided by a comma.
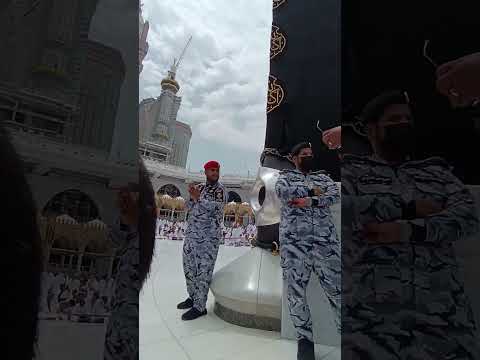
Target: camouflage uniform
{"x": 202, "y": 240}
{"x": 122, "y": 332}
{"x": 308, "y": 241}
{"x": 405, "y": 300}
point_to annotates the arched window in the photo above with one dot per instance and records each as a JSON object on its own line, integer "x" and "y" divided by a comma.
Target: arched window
{"x": 170, "y": 190}
{"x": 233, "y": 196}
{"x": 75, "y": 204}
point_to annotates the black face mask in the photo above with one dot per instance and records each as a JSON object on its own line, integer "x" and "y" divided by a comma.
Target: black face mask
{"x": 399, "y": 140}
{"x": 306, "y": 163}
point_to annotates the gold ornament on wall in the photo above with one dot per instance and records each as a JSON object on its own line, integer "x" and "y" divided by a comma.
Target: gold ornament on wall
{"x": 275, "y": 94}
{"x": 277, "y": 42}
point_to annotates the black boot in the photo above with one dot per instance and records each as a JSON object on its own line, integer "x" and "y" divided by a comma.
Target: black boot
{"x": 193, "y": 314}
{"x": 306, "y": 350}
{"x": 187, "y": 304}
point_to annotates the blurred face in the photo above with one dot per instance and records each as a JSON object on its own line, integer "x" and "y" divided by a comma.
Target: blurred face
{"x": 392, "y": 134}
{"x": 212, "y": 175}
{"x": 393, "y": 115}
{"x": 303, "y": 161}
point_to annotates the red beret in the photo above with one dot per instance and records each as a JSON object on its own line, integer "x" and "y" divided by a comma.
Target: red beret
{"x": 211, "y": 165}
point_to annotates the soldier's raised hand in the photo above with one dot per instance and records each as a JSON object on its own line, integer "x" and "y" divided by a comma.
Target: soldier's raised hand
{"x": 333, "y": 137}
{"x": 194, "y": 192}
{"x": 462, "y": 75}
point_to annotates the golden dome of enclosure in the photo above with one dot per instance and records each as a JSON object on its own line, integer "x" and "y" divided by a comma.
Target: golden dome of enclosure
{"x": 244, "y": 209}
{"x": 230, "y": 208}
{"x": 165, "y": 201}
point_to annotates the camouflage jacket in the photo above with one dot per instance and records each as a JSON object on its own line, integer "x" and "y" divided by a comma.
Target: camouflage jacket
{"x": 206, "y": 214}
{"x": 316, "y": 220}
{"x": 422, "y": 269}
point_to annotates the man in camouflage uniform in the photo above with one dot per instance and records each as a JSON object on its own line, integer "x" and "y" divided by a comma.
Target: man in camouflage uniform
{"x": 202, "y": 240}
{"x": 136, "y": 226}
{"x": 403, "y": 295}
{"x": 121, "y": 340}
{"x": 308, "y": 241}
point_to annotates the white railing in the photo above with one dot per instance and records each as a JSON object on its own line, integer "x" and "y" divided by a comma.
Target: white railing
{"x": 167, "y": 169}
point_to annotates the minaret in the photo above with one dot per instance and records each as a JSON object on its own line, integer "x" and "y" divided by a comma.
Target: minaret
{"x": 144, "y": 26}
{"x": 167, "y": 109}
{"x": 164, "y": 126}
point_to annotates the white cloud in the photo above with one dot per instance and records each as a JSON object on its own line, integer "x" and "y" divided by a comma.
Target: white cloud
{"x": 223, "y": 76}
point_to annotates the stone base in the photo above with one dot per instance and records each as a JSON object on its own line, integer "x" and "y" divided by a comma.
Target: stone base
{"x": 248, "y": 291}
{"x": 247, "y": 320}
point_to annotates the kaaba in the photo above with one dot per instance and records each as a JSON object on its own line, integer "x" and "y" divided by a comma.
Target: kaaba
{"x": 304, "y": 80}
{"x": 303, "y": 91}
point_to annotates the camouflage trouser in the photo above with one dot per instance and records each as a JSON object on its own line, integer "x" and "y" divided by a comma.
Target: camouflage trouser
{"x": 404, "y": 336}
{"x": 121, "y": 342}
{"x": 199, "y": 256}
{"x": 298, "y": 264}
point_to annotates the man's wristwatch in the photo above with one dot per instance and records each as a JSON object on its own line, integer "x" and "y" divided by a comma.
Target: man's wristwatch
{"x": 406, "y": 232}
{"x": 312, "y": 201}
{"x": 409, "y": 210}
{"x": 419, "y": 232}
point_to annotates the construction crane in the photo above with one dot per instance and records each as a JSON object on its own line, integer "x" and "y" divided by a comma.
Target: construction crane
{"x": 176, "y": 63}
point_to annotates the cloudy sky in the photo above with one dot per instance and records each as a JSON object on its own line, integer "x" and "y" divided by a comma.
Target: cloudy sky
{"x": 223, "y": 76}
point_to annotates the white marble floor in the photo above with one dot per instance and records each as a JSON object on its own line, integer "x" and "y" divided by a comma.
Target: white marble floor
{"x": 164, "y": 336}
